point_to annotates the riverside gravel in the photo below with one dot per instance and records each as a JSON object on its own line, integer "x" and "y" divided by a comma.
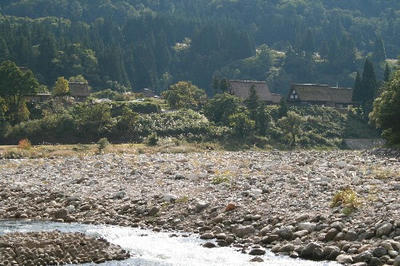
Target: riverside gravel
{"x": 249, "y": 200}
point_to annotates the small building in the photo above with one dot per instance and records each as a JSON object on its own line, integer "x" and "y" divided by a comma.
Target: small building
{"x": 38, "y": 97}
{"x": 149, "y": 93}
{"x": 241, "y": 88}
{"x": 320, "y": 94}
{"x": 79, "y": 90}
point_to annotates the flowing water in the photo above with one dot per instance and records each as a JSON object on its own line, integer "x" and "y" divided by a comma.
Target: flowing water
{"x": 148, "y": 248}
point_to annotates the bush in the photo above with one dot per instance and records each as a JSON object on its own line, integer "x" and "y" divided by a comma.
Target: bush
{"x": 346, "y": 198}
{"x": 102, "y": 144}
{"x": 24, "y": 144}
{"x": 386, "y": 111}
{"x": 152, "y": 140}
{"x": 185, "y": 95}
{"x": 221, "y": 107}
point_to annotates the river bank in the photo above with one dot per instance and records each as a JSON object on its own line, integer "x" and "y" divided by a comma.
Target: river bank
{"x": 249, "y": 200}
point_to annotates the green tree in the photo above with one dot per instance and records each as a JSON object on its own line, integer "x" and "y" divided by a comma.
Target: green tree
{"x": 241, "y": 124}
{"x": 224, "y": 85}
{"x": 357, "y": 89}
{"x": 291, "y": 126}
{"x": 252, "y": 102}
{"x": 283, "y": 108}
{"x": 4, "y": 51}
{"x": 379, "y": 54}
{"x": 369, "y": 86}
{"x": 185, "y": 95}
{"x": 78, "y": 78}
{"x": 262, "y": 120}
{"x": 61, "y": 87}
{"x": 386, "y": 112}
{"x": 15, "y": 85}
{"x": 93, "y": 121}
{"x": 221, "y": 107}
{"x": 386, "y": 74}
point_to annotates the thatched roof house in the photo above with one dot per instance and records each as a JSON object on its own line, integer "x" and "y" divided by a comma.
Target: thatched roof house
{"x": 241, "y": 88}
{"x": 320, "y": 94}
{"x": 79, "y": 90}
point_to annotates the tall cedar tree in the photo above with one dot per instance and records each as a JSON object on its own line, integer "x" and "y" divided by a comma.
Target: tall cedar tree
{"x": 357, "y": 88}
{"x": 386, "y": 74}
{"x": 252, "y": 103}
{"x": 369, "y": 83}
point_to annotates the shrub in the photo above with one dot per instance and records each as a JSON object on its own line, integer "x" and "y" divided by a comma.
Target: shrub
{"x": 185, "y": 95}
{"x": 221, "y": 107}
{"x": 102, "y": 144}
{"x": 346, "y": 198}
{"x": 14, "y": 154}
{"x": 24, "y": 144}
{"x": 152, "y": 140}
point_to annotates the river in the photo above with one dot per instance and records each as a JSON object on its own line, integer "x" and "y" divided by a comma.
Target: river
{"x": 149, "y": 248}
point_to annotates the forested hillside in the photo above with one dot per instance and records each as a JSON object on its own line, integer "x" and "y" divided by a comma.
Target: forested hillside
{"x": 132, "y": 44}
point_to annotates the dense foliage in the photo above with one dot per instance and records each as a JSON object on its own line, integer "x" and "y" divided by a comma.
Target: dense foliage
{"x": 15, "y": 84}
{"x": 386, "y": 111}
{"x": 145, "y": 43}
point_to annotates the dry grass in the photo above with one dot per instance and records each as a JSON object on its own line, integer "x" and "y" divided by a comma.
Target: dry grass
{"x": 347, "y": 199}
{"x": 81, "y": 150}
{"x": 385, "y": 173}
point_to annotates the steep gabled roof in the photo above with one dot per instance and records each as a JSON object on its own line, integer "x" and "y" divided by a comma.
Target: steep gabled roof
{"x": 321, "y": 93}
{"x": 241, "y": 88}
{"x": 79, "y": 89}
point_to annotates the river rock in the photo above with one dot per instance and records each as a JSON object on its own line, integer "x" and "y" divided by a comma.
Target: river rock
{"x": 379, "y": 252}
{"x": 60, "y": 214}
{"x": 287, "y": 248}
{"x": 331, "y": 234}
{"x": 201, "y": 205}
{"x": 397, "y": 261}
{"x": 285, "y": 233}
{"x": 153, "y": 211}
{"x": 242, "y": 231}
{"x": 256, "y": 259}
{"x": 310, "y": 227}
{"x": 337, "y": 225}
{"x": 34, "y": 248}
{"x": 119, "y": 195}
{"x": 312, "y": 251}
{"x": 207, "y": 236}
{"x": 257, "y": 252}
{"x": 344, "y": 259}
{"x": 268, "y": 239}
{"x": 384, "y": 229}
{"x": 365, "y": 256}
{"x": 209, "y": 245}
{"x": 331, "y": 252}
{"x": 301, "y": 233}
{"x": 169, "y": 197}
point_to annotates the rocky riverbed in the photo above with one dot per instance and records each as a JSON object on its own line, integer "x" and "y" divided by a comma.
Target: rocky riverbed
{"x": 249, "y": 200}
{"x": 56, "y": 248}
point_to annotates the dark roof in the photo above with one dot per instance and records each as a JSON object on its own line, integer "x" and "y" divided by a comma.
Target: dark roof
{"x": 321, "y": 93}
{"x": 241, "y": 88}
{"x": 79, "y": 89}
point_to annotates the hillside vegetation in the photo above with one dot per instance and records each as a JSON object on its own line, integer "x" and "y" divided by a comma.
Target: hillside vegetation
{"x": 137, "y": 43}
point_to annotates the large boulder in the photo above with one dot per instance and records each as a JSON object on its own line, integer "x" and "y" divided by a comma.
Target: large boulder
{"x": 312, "y": 251}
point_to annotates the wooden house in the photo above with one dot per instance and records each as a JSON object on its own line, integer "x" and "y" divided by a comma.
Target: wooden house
{"x": 79, "y": 90}
{"x": 241, "y": 88}
{"x": 320, "y": 94}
